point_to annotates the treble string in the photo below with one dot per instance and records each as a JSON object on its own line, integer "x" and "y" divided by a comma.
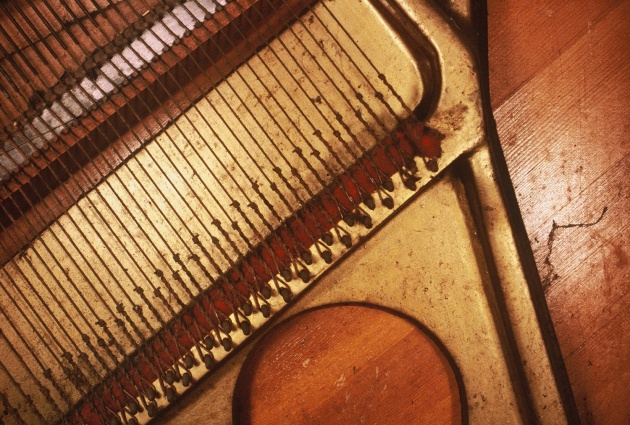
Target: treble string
{"x": 306, "y": 117}
{"x": 359, "y": 96}
{"x": 211, "y": 192}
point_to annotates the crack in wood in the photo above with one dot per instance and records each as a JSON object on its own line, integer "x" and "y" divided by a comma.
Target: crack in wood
{"x": 550, "y": 276}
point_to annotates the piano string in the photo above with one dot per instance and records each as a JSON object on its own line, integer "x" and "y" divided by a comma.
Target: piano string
{"x": 128, "y": 267}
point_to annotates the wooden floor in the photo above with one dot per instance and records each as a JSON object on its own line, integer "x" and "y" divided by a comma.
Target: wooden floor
{"x": 560, "y": 89}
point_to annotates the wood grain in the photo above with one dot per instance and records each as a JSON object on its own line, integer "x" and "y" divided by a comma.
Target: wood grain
{"x": 560, "y": 84}
{"x": 365, "y": 366}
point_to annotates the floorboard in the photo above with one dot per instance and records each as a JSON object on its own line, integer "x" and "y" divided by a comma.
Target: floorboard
{"x": 560, "y": 84}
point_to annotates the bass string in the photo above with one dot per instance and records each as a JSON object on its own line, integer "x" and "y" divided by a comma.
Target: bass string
{"x": 96, "y": 25}
{"x": 67, "y": 298}
{"x": 10, "y": 411}
{"x": 64, "y": 28}
{"x": 40, "y": 319}
{"x": 301, "y": 22}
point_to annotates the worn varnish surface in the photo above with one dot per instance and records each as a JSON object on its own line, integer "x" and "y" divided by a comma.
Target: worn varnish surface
{"x": 560, "y": 84}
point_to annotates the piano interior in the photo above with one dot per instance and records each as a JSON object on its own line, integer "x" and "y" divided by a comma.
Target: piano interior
{"x": 177, "y": 174}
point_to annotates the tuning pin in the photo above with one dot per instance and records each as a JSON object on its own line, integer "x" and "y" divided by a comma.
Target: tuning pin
{"x": 189, "y": 361}
{"x": 369, "y": 202}
{"x": 150, "y": 393}
{"x": 186, "y": 378}
{"x": 246, "y": 327}
{"x": 208, "y": 342}
{"x": 265, "y": 291}
{"x": 133, "y": 407}
{"x": 367, "y": 221}
{"x": 152, "y": 409}
{"x": 170, "y": 394}
{"x": 307, "y": 257}
{"x": 410, "y": 182}
{"x": 327, "y": 256}
{"x": 286, "y": 274}
{"x": 247, "y": 309}
{"x": 208, "y": 361}
{"x": 226, "y": 325}
{"x": 285, "y": 293}
{"x": 226, "y": 343}
{"x": 169, "y": 377}
{"x": 305, "y": 275}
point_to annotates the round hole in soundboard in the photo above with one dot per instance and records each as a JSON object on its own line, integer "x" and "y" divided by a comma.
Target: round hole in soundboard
{"x": 346, "y": 364}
